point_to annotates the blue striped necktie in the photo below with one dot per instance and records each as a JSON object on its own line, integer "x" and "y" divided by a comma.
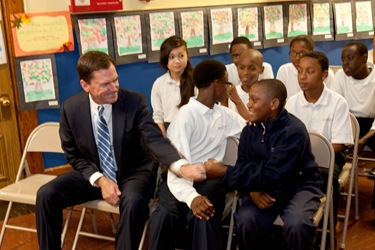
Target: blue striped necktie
{"x": 107, "y": 162}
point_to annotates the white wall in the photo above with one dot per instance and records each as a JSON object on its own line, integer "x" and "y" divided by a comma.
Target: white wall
{"x": 130, "y": 5}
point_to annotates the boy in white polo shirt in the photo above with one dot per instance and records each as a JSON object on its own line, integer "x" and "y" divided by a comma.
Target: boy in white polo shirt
{"x": 322, "y": 110}
{"x": 356, "y": 83}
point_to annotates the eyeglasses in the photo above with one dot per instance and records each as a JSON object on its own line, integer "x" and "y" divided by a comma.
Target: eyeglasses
{"x": 235, "y": 56}
{"x": 226, "y": 82}
{"x": 295, "y": 54}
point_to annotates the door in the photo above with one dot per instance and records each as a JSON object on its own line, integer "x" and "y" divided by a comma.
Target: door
{"x": 10, "y": 149}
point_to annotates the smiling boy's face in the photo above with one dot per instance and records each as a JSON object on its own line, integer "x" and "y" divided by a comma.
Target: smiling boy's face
{"x": 260, "y": 104}
{"x": 250, "y": 66}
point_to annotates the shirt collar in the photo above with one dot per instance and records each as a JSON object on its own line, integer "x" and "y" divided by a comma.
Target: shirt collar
{"x": 322, "y": 101}
{"x": 171, "y": 81}
{"x": 94, "y": 107}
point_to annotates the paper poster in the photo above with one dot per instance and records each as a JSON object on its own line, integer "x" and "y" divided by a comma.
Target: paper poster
{"x": 321, "y": 19}
{"x": 344, "y": 21}
{"x": 41, "y": 33}
{"x": 222, "y": 25}
{"x": 93, "y": 34}
{"x": 162, "y": 26}
{"x": 128, "y": 31}
{"x": 192, "y": 26}
{"x": 273, "y": 22}
{"x": 297, "y": 20}
{"x": 364, "y": 18}
{"x": 248, "y": 25}
{"x": 3, "y": 55}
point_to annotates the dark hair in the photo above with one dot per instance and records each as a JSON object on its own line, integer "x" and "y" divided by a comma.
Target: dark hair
{"x": 92, "y": 61}
{"x": 361, "y": 47}
{"x": 303, "y": 38}
{"x": 207, "y": 71}
{"x": 320, "y": 56}
{"x": 275, "y": 89}
{"x": 240, "y": 40}
{"x": 186, "y": 82}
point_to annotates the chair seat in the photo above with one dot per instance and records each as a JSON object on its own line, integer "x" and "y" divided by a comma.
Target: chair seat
{"x": 345, "y": 173}
{"x": 102, "y": 205}
{"x": 24, "y": 191}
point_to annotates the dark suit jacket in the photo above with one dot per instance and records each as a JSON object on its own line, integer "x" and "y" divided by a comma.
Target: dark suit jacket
{"x": 136, "y": 137}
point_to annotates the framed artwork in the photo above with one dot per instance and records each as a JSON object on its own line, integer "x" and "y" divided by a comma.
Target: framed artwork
{"x": 221, "y": 29}
{"x": 130, "y": 45}
{"x": 364, "y": 19}
{"x": 160, "y": 26}
{"x": 94, "y": 33}
{"x": 249, "y": 24}
{"x": 322, "y": 20}
{"x": 275, "y": 25}
{"x": 344, "y": 21}
{"x": 298, "y": 20}
{"x": 3, "y": 55}
{"x": 37, "y": 82}
{"x": 192, "y": 24}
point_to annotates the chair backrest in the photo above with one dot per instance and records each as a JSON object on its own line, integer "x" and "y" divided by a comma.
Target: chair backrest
{"x": 322, "y": 150}
{"x": 45, "y": 138}
{"x": 231, "y": 150}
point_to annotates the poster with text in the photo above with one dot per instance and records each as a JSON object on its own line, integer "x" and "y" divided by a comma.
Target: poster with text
{"x": 41, "y": 33}
{"x": 37, "y": 82}
{"x": 130, "y": 45}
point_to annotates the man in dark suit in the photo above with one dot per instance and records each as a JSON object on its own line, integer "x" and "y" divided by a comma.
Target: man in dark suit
{"x": 135, "y": 141}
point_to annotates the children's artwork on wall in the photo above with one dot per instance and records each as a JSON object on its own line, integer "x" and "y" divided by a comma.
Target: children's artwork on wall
{"x": 94, "y": 33}
{"x": 274, "y": 21}
{"x": 221, "y": 29}
{"x": 3, "y": 55}
{"x": 193, "y": 28}
{"x": 343, "y": 20}
{"x": 322, "y": 20}
{"x": 37, "y": 82}
{"x": 130, "y": 45}
{"x": 41, "y": 33}
{"x": 299, "y": 19}
{"x": 249, "y": 24}
{"x": 160, "y": 26}
{"x": 364, "y": 21}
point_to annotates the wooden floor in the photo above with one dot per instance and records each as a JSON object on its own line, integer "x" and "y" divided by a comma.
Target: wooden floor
{"x": 361, "y": 234}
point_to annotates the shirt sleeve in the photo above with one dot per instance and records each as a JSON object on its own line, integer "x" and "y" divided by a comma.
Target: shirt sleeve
{"x": 268, "y": 72}
{"x": 181, "y": 188}
{"x": 156, "y": 102}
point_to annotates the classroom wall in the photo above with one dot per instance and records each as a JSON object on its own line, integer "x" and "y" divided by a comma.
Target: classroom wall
{"x": 140, "y": 76}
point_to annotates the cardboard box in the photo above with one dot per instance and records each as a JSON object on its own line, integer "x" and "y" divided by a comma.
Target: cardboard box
{"x": 94, "y": 5}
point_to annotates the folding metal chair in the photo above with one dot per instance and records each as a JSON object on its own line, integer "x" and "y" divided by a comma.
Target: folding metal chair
{"x": 44, "y": 138}
{"x": 349, "y": 172}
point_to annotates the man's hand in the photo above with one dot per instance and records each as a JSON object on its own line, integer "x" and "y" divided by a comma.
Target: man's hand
{"x": 202, "y": 208}
{"x": 194, "y": 172}
{"x": 215, "y": 169}
{"x": 110, "y": 190}
{"x": 262, "y": 199}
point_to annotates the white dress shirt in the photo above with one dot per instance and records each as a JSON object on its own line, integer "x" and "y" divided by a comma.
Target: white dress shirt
{"x": 200, "y": 133}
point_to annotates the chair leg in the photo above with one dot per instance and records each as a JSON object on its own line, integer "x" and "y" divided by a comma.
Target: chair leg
{"x": 5, "y": 223}
{"x": 65, "y": 230}
{"x": 79, "y": 227}
{"x": 114, "y": 229}
{"x": 356, "y": 203}
{"x": 231, "y": 223}
{"x": 143, "y": 236}
{"x": 93, "y": 217}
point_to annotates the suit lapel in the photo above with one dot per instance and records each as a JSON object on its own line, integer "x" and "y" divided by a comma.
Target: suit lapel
{"x": 118, "y": 126}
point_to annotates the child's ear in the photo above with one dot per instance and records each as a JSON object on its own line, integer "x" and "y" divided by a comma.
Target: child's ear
{"x": 275, "y": 104}
{"x": 325, "y": 75}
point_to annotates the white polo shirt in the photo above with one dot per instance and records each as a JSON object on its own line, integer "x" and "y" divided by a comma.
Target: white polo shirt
{"x": 234, "y": 78}
{"x": 329, "y": 116}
